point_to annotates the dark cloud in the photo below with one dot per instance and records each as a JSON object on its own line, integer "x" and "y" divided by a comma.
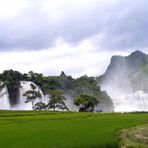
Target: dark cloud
{"x": 127, "y": 26}
{"x": 121, "y": 25}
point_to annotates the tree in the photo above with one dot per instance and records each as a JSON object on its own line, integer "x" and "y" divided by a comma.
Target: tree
{"x": 12, "y": 79}
{"x": 40, "y": 106}
{"x": 62, "y": 74}
{"x": 31, "y": 95}
{"x": 86, "y": 102}
{"x": 57, "y": 100}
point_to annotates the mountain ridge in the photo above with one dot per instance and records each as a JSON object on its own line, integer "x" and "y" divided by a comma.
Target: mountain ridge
{"x": 127, "y": 73}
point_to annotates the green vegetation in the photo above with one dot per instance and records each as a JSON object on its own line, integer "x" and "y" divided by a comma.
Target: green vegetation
{"x": 40, "y": 106}
{"x": 57, "y": 100}
{"x": 31, "y": 95}
{"x": 28, "y": 129}
{"x": 69, "y": 86}
{"x": 86, "y": 102}
{"x": 140, "y": 79}
{"x": 136, "y": 137}
{"x": 12, "y": 80}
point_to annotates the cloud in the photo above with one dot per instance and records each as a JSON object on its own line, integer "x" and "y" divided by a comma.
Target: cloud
{"x": 74, "y": 60}
{"x": 127, "y": 26}
{"x": 78, "y": 36}
{"x": 38, "y": 24}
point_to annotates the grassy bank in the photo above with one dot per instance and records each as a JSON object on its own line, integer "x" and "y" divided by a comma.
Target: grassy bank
{"x": 28, "y": 129}
{"x": 136, "y": 137}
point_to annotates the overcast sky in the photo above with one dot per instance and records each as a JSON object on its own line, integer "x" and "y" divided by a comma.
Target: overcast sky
{"x": 76, "y": 36}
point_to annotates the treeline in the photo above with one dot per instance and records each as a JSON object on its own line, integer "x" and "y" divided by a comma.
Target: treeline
{"x": 67, "y": 84}
{"x": 12, "y": 78}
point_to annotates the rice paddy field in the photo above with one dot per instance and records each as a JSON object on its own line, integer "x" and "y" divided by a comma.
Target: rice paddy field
{"x": 44, "y": 129}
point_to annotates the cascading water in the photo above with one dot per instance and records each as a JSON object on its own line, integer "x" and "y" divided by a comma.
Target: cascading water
{"x": 128, "y": 102}
{"x": 25, "y": 86}
{"x": 4, "y": 99}
{"x": 137, "y": 101}
{"x": 21, "y": 104}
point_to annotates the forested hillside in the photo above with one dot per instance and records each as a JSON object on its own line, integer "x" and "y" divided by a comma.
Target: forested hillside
{"x": 70, "y": 86}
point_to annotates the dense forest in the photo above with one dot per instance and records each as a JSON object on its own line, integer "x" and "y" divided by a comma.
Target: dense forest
{"x": 67, "y": 84}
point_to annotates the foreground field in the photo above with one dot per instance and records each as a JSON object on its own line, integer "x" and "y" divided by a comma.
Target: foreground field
{"x": 135, "y": 137}
{"x": 26, "y": 129}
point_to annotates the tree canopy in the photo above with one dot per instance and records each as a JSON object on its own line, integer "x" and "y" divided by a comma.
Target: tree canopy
{"x": 50, "y": 84}
{"x": 57, "y": 100}
{"x": 86, "y": 102}
{"x": 40, "y": 106}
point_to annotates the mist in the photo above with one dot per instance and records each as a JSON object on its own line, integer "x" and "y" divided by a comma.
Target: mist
{"x": 120, "y": 82}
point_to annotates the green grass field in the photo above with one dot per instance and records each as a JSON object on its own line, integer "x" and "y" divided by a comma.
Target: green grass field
{"x": 43, "y": 129}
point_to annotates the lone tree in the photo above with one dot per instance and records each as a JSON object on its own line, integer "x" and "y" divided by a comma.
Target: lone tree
{"x": 32, "y": 94}
{"x": 57, "y": 100}
{"x": 86, "y": 102}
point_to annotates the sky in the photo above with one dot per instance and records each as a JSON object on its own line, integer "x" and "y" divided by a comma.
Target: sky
{"x": 75, "y": 36}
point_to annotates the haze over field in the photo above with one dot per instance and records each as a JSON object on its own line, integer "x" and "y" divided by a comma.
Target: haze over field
{"x": 78, "y": 37}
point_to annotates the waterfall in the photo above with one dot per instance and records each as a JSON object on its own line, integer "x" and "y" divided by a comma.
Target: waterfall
{"x": 69, "y": 102}
{"x": 20, "y": 105}
{"x": 4, "y": 99}
{"x": 129, "y": 102}
{"x": 25, "y": 86}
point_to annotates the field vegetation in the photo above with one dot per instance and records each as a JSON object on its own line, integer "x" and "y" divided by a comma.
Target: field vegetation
{"x": 44, "y": 129}
{"x": 136, "y": 137}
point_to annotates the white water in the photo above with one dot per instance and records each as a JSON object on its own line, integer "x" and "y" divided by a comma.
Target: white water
{"x": 69, "y": 103}
{"x": 21, "y": 105}
{"x": 137, "y": 101}
{"x": 25, "y": 86}
{"x": 4, "y": 99}
{"x": 128, "y": 102}
{"x": 123, "y": 102}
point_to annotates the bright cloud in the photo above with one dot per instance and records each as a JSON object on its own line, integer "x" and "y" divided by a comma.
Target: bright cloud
{"x": 12, "y": 8}
{"x": 74, "y": 60}
{"x": 76, "y": 36}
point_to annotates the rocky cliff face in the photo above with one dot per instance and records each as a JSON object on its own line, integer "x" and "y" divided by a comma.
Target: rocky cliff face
{"x": 123, "y": 72}
{"x": 126, "y": 76}
{"x": 105, "y": 103}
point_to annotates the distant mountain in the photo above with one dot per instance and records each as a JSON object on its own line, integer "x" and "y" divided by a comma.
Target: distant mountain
{"x": 127, "y": 73}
